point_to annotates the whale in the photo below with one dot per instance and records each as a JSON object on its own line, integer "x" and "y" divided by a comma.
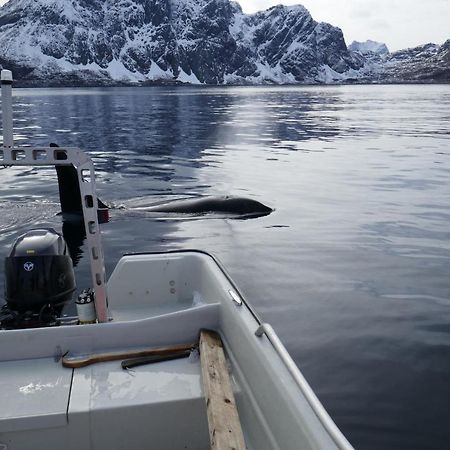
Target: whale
{"x": 240, "y": 207}
{"x": 226, "y": 204}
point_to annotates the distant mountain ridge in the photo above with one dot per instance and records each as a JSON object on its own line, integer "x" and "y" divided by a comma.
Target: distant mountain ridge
{"x": 369, "y": 47}
{"x": 429, "y": 62}
{"x": 422, "y": 64}
{"x": 73, "y": 42}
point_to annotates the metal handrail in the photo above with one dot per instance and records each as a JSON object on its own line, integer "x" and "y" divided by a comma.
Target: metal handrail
{"x": 26, "y": 156}
{"x": 327, "y": 422}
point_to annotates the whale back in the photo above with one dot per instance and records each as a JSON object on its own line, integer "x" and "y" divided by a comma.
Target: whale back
{"x": 223, "y": 204}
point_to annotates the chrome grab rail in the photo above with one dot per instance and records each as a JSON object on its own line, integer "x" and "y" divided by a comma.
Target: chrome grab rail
{"x": 327, "y": 422}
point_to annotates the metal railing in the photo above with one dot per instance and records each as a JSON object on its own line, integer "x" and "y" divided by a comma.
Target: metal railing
{"x": 59, "y": 156}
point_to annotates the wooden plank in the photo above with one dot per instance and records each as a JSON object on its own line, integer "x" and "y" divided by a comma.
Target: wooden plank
{"x": 75, "y": 362}
{"x": 225, "y": 432}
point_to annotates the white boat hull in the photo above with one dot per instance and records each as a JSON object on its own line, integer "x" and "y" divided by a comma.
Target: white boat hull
{"x": 156, "y": 300}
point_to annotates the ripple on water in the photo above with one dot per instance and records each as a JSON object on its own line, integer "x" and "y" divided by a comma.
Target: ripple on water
{"x": 23, "y": 214}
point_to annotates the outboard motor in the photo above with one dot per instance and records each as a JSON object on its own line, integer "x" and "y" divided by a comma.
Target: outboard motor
{"x": 39, "y": 280}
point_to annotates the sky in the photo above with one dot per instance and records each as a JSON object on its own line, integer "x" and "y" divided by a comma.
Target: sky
{"x": 398, "y": 23}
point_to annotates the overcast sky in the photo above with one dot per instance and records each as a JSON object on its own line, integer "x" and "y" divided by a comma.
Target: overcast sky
{"x": 397, "y": 23}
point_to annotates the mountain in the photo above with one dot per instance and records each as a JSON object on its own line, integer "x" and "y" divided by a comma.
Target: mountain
{"x": 369, "y": 47}
{"x": 425, "y": 63}
{"x": 198, "y": 41}
{"x": 92, "y": 42}
{"x": 429, "y": 63}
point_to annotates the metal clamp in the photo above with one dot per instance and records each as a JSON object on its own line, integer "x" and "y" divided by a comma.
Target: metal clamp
{"x": 235, "y": 297}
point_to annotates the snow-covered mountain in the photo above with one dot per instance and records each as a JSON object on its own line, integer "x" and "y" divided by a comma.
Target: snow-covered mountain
{"x": 425, "y": 63}
{"x": 369, "y": 47}
{"x": 198, "y": 41}
{"x": 63, "y": 42}
{"x": 429, "y": 63}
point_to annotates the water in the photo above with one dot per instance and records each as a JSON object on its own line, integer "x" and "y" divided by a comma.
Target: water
{"x": 352, "y": 268}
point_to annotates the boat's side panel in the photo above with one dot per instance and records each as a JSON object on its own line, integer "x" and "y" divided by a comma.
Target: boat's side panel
{"x": 274, "y": 412}
{"x": 176, "y": 327}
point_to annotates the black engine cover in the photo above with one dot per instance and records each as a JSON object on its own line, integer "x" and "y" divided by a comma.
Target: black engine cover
{"x": 39, "y": 272}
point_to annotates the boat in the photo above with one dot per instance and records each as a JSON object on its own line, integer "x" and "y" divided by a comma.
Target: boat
{"x": 165, "y": 354}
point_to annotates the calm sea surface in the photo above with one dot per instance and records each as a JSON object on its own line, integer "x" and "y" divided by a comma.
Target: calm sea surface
{"x": 353, "y": 267}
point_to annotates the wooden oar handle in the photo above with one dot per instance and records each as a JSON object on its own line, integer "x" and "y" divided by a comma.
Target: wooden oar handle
{"x": 75, "y": 362}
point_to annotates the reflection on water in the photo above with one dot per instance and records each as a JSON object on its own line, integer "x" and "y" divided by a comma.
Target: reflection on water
{"x": 352, "y": 267}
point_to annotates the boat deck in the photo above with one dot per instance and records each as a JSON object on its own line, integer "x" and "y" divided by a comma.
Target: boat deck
{"x": 160, "y": 403}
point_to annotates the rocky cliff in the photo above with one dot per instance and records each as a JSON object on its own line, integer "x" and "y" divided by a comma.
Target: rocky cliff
{"x": 426, "y": 63}
{"x": 64, "y": 42}
{"x": 198, "y": 41}
{"x": 429, "y": 63}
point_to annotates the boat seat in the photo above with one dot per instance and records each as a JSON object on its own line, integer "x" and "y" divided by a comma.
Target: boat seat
{"x": 163, "y": 404}
{"x": 34, "y": 394}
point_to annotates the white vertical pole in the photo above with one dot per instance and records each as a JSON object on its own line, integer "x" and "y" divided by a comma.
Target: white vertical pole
{"x": 93, "y": 237}
{"x": 7, "y": 118}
